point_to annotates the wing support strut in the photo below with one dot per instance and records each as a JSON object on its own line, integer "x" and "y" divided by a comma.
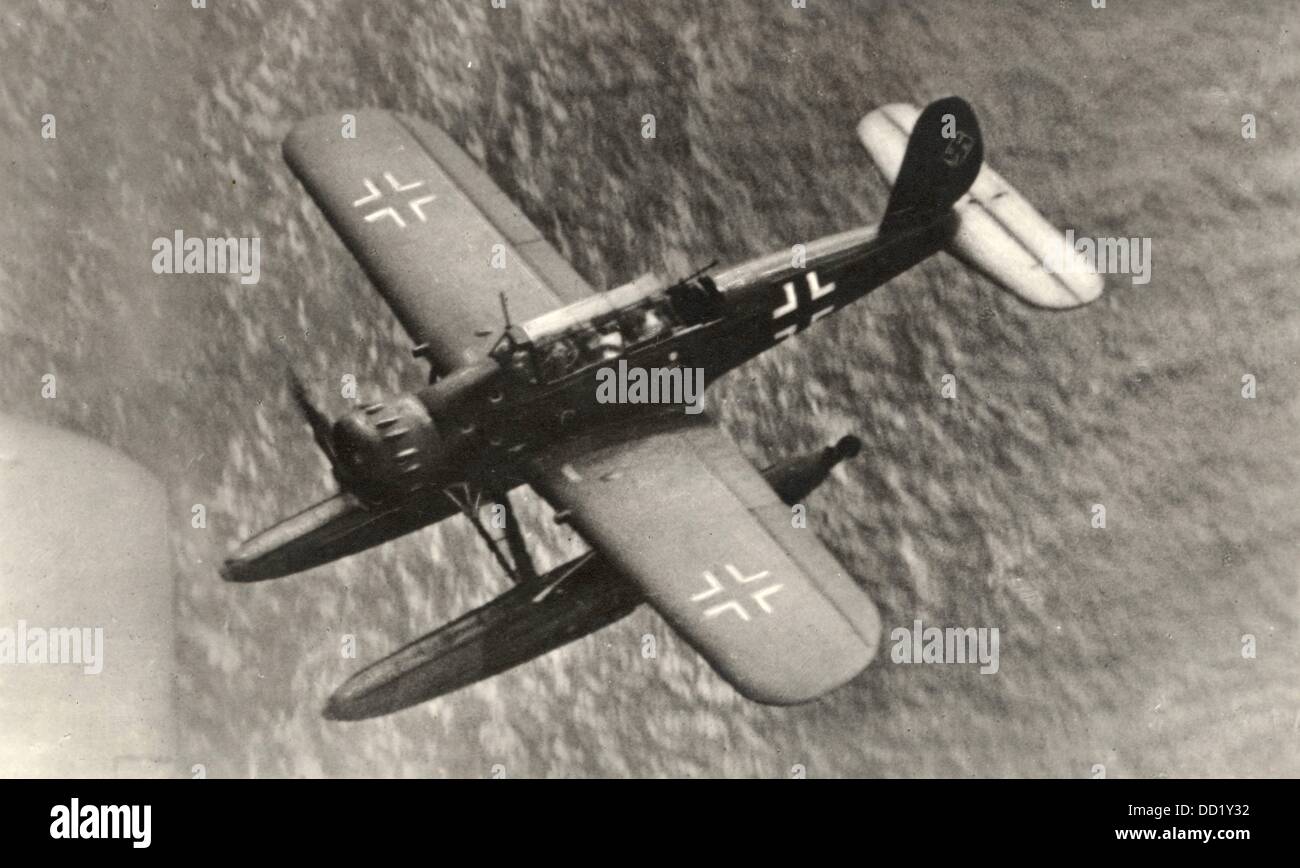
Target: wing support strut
{"x": 519, "y": 566}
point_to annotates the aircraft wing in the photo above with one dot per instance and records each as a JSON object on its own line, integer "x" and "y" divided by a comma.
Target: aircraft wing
{"x": 679, "y": 512}
{"x": 424, "y": 222}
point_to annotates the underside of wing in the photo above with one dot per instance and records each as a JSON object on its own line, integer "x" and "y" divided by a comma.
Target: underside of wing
{"x": 680, "y": 513}
{"x": 436, "y": 237}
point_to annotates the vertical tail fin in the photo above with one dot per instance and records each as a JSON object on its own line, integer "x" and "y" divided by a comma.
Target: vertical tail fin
{"x": 943, "y": 157}
{"x": 997, "y": 232}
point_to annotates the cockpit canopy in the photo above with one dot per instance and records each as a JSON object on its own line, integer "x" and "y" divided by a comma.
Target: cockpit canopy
{"x": 594, "y": 330}
{"x": 595, "y": 308}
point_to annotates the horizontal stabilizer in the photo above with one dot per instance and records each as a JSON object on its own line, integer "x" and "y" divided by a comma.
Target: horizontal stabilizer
{"x": 997, "y": 232}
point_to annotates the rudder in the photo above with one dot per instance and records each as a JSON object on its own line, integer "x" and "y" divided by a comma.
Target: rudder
{"x": 995, "y": 230}
{"x": 943, "y": 157}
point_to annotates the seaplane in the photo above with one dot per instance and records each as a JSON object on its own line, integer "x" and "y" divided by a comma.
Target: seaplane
{"x": 516, "y": 340}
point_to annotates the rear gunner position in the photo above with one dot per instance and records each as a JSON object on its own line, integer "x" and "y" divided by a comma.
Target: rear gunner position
{"x": 674, "y": 514}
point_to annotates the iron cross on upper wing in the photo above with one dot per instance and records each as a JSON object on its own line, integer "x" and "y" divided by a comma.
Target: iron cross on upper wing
{"x": 374, "y": 194}
{"x": 732, "y": 602}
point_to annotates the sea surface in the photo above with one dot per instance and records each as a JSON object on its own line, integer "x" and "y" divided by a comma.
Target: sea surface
{"x": 1121, "y": 647}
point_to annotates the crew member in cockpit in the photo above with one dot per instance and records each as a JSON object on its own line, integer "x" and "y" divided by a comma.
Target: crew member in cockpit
{"x": 561, "y": 357}
{"x": 606, "y": 344}
{"x": 641, "y": 325}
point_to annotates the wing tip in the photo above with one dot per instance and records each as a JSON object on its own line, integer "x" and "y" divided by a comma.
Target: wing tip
{"x": 786, "y": 694}
{"x": 780, "y": 689}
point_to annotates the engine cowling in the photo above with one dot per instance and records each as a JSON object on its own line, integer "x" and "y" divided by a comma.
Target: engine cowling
{"x": 387, "y": 447}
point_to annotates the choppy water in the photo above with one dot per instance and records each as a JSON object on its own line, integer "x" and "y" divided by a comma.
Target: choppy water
{"x": 1119, "y": 646}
